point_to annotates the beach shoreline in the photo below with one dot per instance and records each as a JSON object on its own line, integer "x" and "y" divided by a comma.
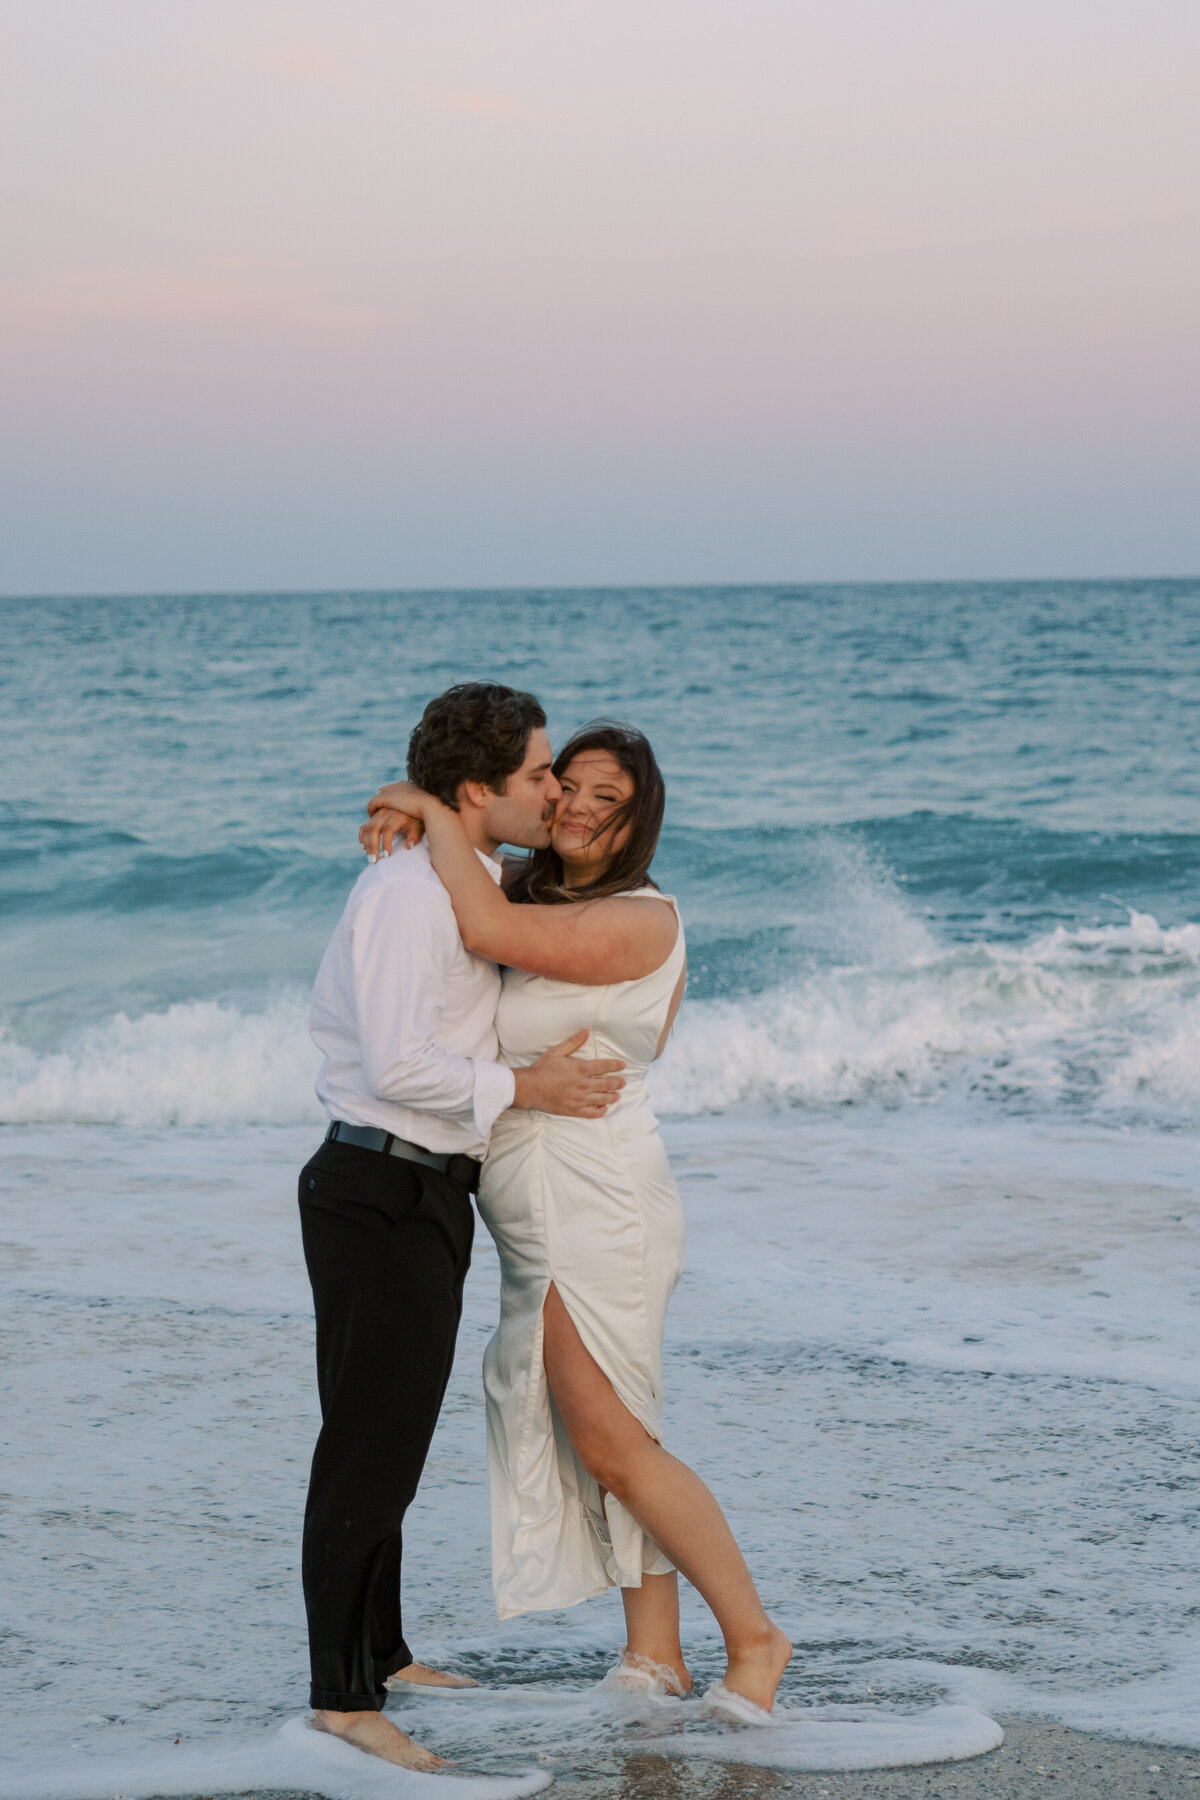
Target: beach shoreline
{"x": 1036, "y": 1757}
{"x": 927, "y": 1339}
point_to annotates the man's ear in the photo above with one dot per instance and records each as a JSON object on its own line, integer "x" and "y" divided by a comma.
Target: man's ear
{"x": 474, "y": 794}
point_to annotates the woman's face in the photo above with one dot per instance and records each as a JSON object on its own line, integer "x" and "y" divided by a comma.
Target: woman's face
{"x": 594, "y": 785}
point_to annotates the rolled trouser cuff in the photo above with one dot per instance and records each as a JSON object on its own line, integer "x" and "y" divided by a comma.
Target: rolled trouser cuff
{"x": 392, "y": 1665}
{"x": 321, "y": 1700}
{"x": 324, "y": 1700}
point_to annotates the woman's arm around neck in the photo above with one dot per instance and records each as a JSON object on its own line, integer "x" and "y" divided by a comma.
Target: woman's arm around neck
{"x": 593, "y": 942}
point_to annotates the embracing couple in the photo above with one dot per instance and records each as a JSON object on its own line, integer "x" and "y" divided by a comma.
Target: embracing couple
{"x": 486, "y": 1030}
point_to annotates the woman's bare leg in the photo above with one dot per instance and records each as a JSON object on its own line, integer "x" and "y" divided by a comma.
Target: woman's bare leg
{"x": 667, "y": 1500}
{"x": 652, "y": 1624}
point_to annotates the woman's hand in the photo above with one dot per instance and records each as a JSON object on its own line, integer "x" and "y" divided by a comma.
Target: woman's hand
{"x": 397, "y": 810}
{"x": 378, "y": 836}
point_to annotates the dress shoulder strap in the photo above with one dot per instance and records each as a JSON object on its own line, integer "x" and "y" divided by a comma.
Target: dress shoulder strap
{"x": 647, "y": 893}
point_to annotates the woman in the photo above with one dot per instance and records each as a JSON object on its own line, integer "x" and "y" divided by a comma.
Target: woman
{"x": 589, "y": 1226}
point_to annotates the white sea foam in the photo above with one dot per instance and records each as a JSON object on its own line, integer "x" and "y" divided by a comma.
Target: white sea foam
{"x": 940, "y": 1373}
{"x": 293, "y": 1757}
{"x": 1163, "y": 1065}
{"x": 562, "y": 1721}
{"x": 833, "y": 1739}
{"x": 1105, "y": 1018}
{"x": 197, "y": 1063}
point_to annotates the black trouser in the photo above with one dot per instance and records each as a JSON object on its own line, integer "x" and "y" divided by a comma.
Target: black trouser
{"x": 388, "y": 1245}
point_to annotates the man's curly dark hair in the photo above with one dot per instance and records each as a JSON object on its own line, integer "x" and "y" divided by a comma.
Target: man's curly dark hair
{"x": 475, "y": 731}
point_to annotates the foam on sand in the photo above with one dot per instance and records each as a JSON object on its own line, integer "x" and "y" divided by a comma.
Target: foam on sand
{"x": 831, "y": 1738}
{"x": 295, "y": 1757}
{"x": 942, "y": 1376}
{"x": 565, "y": 1722}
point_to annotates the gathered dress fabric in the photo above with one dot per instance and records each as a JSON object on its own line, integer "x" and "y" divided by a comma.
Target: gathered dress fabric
{"x": 590, "y": 1205}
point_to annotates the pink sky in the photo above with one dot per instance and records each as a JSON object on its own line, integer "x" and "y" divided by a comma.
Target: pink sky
{"x": 298, "y": 295}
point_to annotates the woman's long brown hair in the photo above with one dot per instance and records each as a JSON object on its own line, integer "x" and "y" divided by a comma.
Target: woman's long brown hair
{"x": 540, "y": 879}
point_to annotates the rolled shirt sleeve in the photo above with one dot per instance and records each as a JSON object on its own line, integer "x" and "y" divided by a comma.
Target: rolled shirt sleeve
{"x": 404, "y": 941}
{"x": 495, "y": 1091}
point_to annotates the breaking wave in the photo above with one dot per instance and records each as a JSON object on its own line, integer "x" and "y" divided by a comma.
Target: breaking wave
{"x": 1104, "y": 1020}
{"x": 201, "y": 1062}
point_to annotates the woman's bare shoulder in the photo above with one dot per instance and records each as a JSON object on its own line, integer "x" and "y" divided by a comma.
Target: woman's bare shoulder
{"x": 659, "y": 924}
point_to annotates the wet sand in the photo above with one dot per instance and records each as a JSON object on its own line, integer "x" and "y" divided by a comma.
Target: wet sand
{"x": 1035, "y": 1759}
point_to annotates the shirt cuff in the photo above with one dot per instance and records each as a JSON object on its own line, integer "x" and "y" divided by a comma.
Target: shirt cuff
{"x": 495, "y": 1091}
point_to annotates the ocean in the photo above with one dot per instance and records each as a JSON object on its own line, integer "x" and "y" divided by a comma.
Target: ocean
{"x": 932, "y": 1101}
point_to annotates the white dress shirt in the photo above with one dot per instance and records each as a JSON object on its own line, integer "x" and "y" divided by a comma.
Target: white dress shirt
{"x": 405, "y": 1016}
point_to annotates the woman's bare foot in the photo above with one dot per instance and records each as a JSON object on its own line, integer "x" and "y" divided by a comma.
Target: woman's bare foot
{"x": 421, "y": 1675}
{"x": 371, "y": 1732}
{"x": 635, "y": 1673}
{"x": 682, "y": 1674}
{"x": 754, "y": 1670}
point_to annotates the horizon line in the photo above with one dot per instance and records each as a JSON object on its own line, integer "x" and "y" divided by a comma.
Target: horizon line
{"x": 585, "y": 587}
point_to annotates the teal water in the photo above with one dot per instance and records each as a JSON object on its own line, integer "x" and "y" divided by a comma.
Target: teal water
{"x": 964, "y": 820}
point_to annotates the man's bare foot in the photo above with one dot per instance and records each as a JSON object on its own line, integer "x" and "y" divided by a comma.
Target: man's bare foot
{"x": 421, "y": 1675}
{"x": 371, "y": 1732}
{"x": 754, "y": 1670}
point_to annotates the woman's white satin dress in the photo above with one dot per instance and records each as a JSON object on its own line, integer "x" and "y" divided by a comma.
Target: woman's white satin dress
{"x": 590, "y": 1205}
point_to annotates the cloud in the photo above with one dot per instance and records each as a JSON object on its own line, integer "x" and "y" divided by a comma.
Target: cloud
{"x": 480, "y": 105}
{"x": 305, "y": 60}
{"x": 132, "y": 298}
{"x": 375, "y": 70}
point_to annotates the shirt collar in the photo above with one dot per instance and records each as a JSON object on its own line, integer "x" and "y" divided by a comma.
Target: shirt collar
{"x": 494, "y": 869}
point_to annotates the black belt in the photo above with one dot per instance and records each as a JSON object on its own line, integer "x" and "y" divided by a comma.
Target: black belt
{"x": 370, "y": 1137}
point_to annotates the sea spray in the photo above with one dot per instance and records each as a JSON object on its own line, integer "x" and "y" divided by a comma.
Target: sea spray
{"x": 1102, "y": 1021}
{"x": 195, "y": 1063}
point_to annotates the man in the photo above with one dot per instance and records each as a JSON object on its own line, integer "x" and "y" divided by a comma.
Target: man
{"x": 405, "y": 1019}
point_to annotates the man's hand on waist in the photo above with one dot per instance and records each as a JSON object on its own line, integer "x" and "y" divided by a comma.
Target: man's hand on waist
{"x": 558, "y": 1083}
